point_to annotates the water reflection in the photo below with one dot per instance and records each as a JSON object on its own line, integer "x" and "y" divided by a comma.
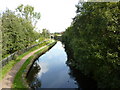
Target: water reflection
{"x": 85, "y": 83}
{"x": 34, "y": 82}
{"x": 44, "y": 69}
{"x": 54, "y": 72}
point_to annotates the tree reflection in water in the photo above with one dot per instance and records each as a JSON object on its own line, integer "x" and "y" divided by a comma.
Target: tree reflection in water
{"x": 84, "y": 83}
{"x": 51, "y": 71}
{"x": 32, "y": 76}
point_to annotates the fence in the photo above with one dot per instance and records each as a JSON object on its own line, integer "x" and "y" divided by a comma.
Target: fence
{"x": 12, "y": 56}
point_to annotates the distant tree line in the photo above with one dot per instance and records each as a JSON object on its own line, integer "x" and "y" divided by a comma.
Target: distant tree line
{"x": 93, "y": 41}
{"x": 18, "y": 28}
{"x": 45, "y": 33}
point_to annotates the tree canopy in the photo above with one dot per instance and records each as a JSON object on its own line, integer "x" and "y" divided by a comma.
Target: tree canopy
{"x": 18, "y": 29}
{"x": 93, "y": 40}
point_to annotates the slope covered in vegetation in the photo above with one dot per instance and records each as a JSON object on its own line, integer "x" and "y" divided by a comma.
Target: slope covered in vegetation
{"x": 93, "y": 41}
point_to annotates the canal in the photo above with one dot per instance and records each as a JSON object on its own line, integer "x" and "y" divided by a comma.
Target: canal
{"x": 51, "y": 71}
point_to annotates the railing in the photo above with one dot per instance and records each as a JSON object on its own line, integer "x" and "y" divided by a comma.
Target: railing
{"x": 13, "y": 55}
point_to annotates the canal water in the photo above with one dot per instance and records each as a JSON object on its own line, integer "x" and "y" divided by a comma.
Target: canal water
{"x": 51, "y": 71}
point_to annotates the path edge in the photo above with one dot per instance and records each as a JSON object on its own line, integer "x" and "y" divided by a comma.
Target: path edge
{"x": 29, "y": 66}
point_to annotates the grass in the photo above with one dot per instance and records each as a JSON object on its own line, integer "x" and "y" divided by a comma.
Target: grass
{"x": 20, "y": 83}
{"x": 33, "y": 43}
{"x": 11, "y": 63}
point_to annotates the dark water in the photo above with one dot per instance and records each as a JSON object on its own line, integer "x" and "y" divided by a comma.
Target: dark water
{"x": 54, "y": 72}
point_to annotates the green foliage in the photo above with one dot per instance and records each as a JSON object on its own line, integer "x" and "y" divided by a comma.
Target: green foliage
{"x": 93, "y": 40}
{"x": 28, "y": 13}
{"x": 11, "y": 63}
{"x": 45, "y": 33}
{"x": 18, "y": 32}
{"x": 20, "y": 83}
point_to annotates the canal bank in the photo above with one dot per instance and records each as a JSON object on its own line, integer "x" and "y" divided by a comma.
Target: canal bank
{"x": 51, "y": 71}
{"x": 54, "y": 72}
{"x": 20, "y": 81}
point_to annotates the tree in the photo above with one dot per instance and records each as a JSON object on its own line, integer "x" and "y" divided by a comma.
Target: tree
{"x": 45, "y": 33}
{"x": 93, "y": 41}
{"x": 28, "y": 13}
{"x": 17, "y": 30}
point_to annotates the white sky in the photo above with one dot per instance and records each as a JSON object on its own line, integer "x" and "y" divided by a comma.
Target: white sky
{"x": 56, "y": 15}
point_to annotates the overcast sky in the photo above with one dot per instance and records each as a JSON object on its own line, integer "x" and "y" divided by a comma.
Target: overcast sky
{"x": 56, "y": 15}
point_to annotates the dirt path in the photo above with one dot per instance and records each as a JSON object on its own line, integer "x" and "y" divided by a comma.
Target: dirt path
{"x": 9, "y": 78}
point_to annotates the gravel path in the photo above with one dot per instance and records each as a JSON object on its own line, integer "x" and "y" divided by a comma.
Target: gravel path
{"x": 9, "y": 78}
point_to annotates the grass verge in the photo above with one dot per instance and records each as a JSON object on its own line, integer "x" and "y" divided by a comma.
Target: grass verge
{"x": 11, "y": 63}
{"x": 33, "y": 43}
{"x": 20, "y": 80}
